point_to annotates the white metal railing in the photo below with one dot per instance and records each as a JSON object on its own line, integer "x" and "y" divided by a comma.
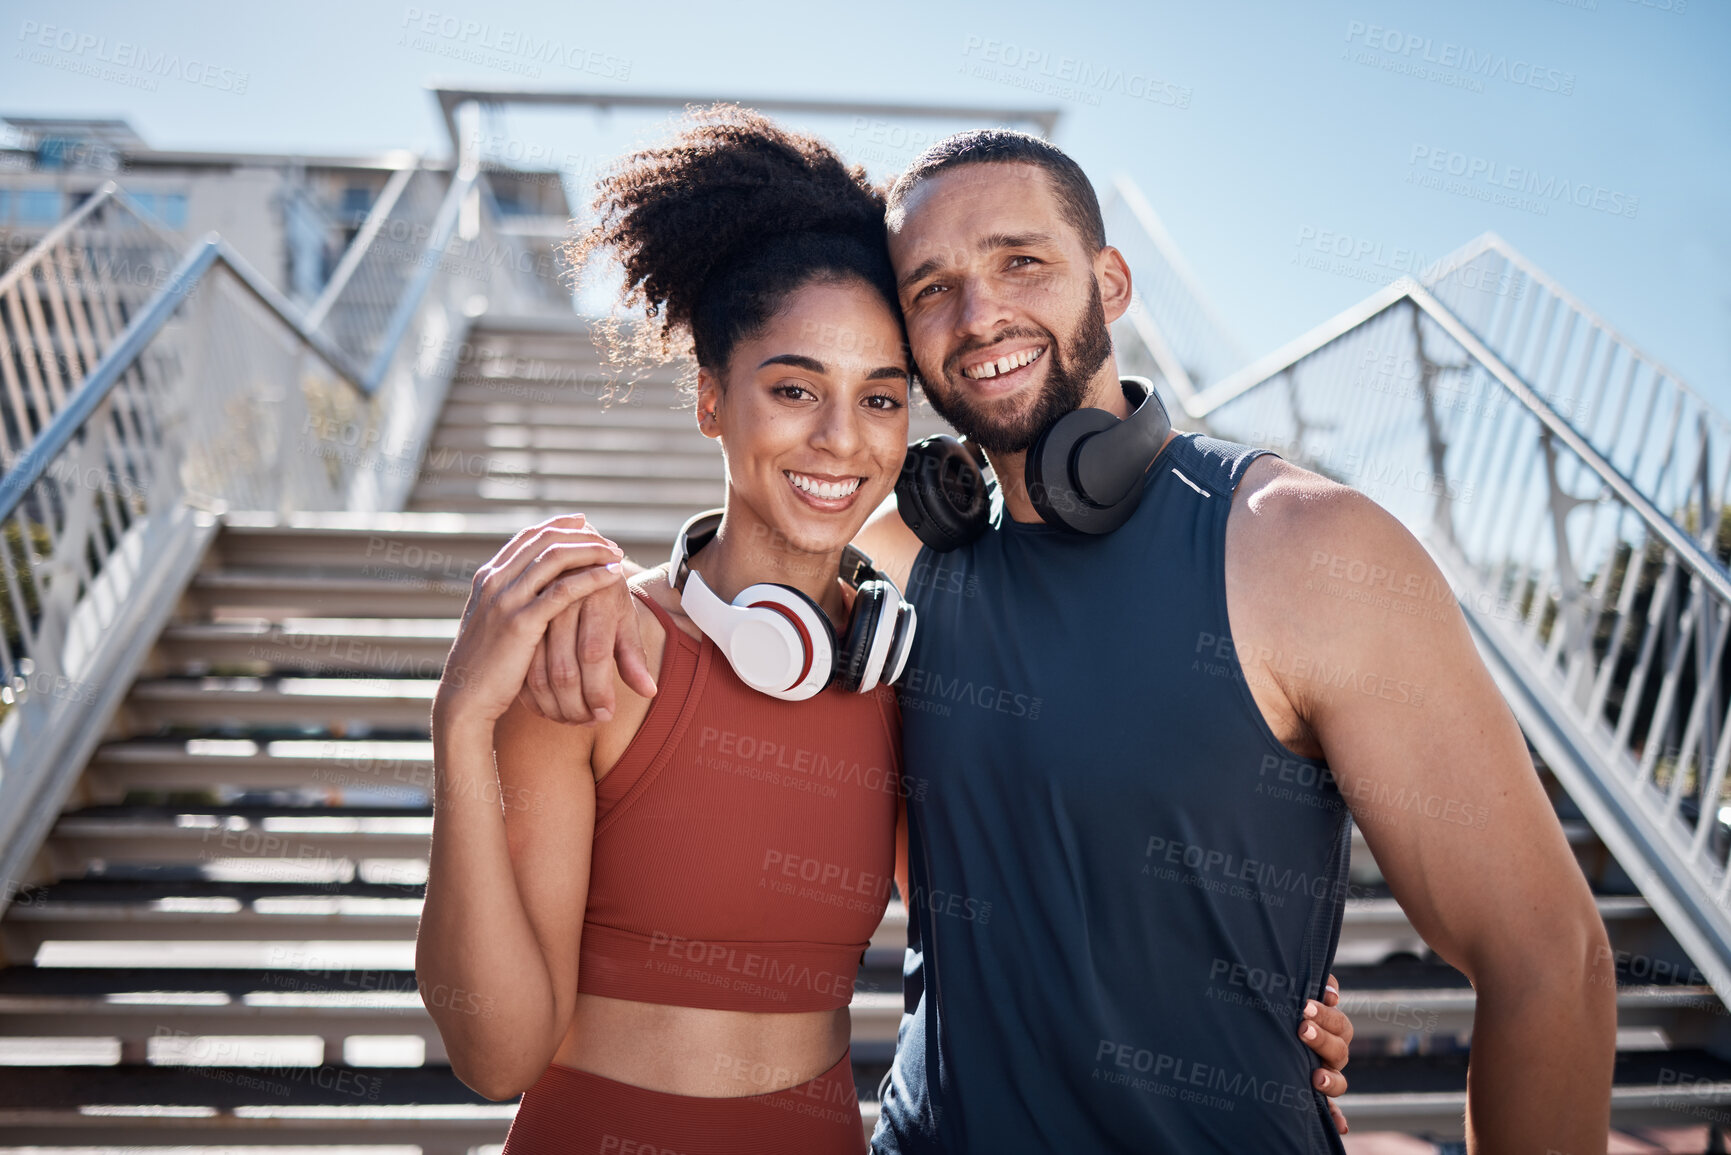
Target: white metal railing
{"x": 244, "y": 406}
{"x": 1640, "y": 415}
{"x": 65, "y": 303}
{"x": 1601, "y": 600}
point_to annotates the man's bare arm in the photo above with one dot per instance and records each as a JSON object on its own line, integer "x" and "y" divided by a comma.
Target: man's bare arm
{"x": 1481, "y": 867}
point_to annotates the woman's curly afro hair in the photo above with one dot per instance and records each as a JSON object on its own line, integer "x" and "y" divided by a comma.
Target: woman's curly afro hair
{"x": 717, "y": 226}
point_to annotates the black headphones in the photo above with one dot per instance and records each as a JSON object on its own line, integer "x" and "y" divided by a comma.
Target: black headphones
{"x": 1084, "y": 473}
{"x": 777, "y": 639}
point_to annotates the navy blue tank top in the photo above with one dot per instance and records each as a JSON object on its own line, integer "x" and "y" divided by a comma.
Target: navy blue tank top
{"x": 1123, "y": 887}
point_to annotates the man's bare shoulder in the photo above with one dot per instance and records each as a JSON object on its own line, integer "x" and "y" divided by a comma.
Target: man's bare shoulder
{"x": 1330, "y": 559}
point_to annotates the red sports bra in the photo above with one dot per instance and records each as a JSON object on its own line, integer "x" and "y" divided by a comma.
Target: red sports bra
{"x": 744, "y": 846}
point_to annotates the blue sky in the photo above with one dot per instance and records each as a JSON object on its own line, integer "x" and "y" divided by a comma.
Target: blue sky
{"x": 1271, "y": 127}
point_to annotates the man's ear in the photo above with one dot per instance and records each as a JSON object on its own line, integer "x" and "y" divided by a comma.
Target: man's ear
{"x": 1113, "y": 274}
{"x": 708, "y": 399}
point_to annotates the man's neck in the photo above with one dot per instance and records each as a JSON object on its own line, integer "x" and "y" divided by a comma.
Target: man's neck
{"x": 1104, "y": 392}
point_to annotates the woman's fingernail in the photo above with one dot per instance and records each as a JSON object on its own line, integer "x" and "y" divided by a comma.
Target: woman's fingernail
{"x": 604, "y": 715}
{"x": 615, "y": 567}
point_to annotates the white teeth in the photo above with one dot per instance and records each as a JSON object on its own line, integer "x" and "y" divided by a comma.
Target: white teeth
{"x": 824, "y": 489}
{"x": 1003, "y": 364}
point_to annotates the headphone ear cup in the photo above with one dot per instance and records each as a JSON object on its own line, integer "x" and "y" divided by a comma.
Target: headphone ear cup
{"x": 941, "y": 493}
{"x": 851, "y": 671}
{"x": 1052, "y": 488}
{"x": 816, "y": 635}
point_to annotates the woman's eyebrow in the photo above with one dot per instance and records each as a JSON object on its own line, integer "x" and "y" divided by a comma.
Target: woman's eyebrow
{"x": 809, "y": 364}
{"x": 886, "y": 372}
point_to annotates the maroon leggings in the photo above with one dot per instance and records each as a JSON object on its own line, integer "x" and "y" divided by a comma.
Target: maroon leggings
{"x": 575, "y": 1112}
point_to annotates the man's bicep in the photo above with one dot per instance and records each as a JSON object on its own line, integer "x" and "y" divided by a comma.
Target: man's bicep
{"x": 1430, "y": 760}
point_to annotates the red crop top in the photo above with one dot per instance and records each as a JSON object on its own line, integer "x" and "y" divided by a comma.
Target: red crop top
{"x": 744, "y": 846}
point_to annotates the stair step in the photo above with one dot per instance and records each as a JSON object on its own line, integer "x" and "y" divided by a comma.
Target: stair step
{"x": 607, "y": 468}
{"x": 680, "y": 498}
{"x": 133, "y": 1005}
{"x": 404, "y": 768}
{"x": 400, "y": 647}
{"x": 313, "y": 844}
{"x": 457, "y": 414}
{"x": 254, "y": 919}
{"x": 336, "y": 705}
{"x": 331, "y": 1104}
{"x": 435, "y": 594}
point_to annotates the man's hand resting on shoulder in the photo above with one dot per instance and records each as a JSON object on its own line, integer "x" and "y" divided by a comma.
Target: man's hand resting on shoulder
{"x": 571, "y": 676}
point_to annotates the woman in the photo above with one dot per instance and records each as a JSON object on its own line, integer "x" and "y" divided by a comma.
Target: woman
{"x": 657, "y": 936}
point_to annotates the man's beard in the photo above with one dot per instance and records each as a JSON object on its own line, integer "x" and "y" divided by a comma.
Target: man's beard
{"x": 1068, "y": 373}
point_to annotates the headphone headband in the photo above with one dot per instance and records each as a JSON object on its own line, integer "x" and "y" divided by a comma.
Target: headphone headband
{"x": 779, "y": 641}
{"x": 855, "y": 568}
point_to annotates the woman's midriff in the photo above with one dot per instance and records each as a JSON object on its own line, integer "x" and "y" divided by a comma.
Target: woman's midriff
{"x": 701, "y": 1052}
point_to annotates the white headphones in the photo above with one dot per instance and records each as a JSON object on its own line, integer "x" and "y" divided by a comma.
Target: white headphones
{"x": 777, "y": 639}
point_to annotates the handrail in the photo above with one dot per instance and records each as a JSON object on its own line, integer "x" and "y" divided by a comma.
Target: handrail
{"x": 1266, "y": 369}
{"x": 212, "y": 250}
{"x": 451, "y": 98}
{"x": 1489, "y": 242}
{"x": 106, "y": 192}
{"x": 444, "y": 226}
{"x": 352, "y": 256}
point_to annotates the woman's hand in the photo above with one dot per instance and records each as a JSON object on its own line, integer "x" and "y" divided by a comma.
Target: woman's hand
{"x": 1327, "y": 1031}
{"x": 541, "y": 572}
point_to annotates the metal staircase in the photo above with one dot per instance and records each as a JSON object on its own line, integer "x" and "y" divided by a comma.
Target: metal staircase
{"x": 221, "y": 640}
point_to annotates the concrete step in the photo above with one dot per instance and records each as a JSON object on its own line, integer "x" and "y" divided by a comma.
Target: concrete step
{"x": 607, "y": 468}
{"x": 683, "y": 497}
{"x": 135, "y": 1006}
{"x": 436, "y": 593}
{"x": 397, "y": 769}
{"x": 336, "y": 706}
{"x": 392, "y": 647}
{"x": 250, "y": 924}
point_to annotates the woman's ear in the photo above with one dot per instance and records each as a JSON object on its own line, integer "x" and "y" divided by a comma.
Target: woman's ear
{"x": 708, "y": 398}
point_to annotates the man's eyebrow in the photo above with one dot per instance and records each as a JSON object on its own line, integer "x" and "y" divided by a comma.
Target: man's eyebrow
{"x": 809, "y": 364}
{"x": 988, "y": 243}
{"x": 921, "y": 271}
{"x": 1014, "y": 241}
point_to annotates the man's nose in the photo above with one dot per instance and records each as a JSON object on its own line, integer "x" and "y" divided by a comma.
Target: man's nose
{"x": 982, "y": 310}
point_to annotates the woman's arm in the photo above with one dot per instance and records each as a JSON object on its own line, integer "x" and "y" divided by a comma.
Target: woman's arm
{"x": 496, "y": 953}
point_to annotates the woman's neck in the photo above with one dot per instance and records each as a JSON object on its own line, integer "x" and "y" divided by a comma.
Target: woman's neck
{"x": 746, "y": 550}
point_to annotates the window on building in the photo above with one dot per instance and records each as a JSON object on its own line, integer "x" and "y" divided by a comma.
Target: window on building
{"x": 169, "y": 208}
{"x": 34, "y": 206}
{"x": 357, "y": 199}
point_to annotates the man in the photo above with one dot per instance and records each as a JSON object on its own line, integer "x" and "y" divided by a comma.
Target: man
{"x": 1135, "y": 752}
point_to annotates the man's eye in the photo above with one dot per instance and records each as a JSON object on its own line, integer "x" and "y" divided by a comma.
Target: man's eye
{"x": 927, "y": 291}
{"x": 1024, "y": 257}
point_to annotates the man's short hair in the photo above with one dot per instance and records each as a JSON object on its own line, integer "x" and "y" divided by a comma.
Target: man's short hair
{"x": 1077, "y": 201}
